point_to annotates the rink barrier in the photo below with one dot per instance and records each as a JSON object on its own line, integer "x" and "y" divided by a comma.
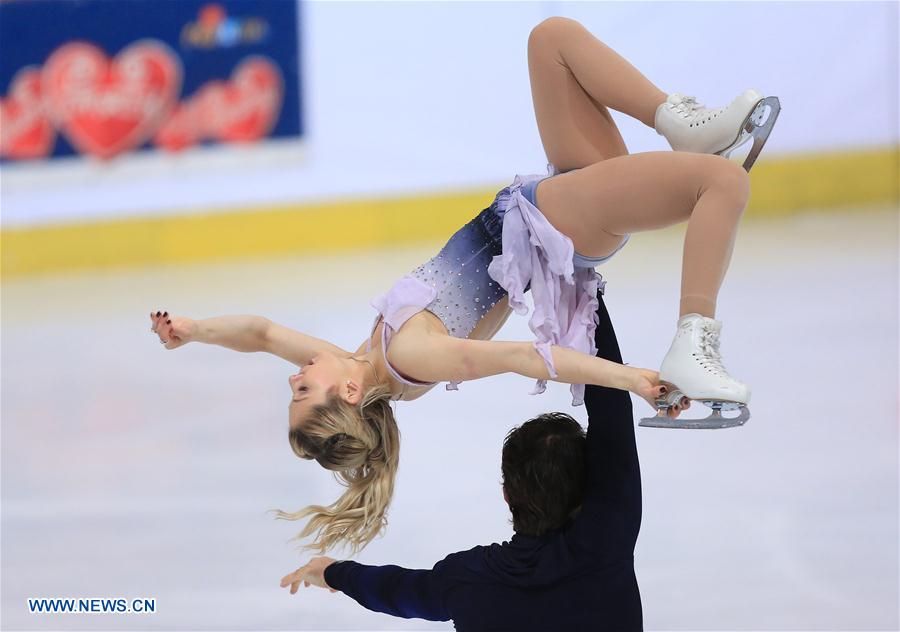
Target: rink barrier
{"x": 779, "y": 186}
{"x": 838, "y": 180}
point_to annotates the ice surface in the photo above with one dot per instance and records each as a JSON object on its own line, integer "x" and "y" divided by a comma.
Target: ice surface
{"x": 131, "y": 471}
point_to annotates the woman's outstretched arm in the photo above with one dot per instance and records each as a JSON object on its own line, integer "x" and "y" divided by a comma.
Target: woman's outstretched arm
{"x": 438, "y": 358}
{"x": 295, "y": 346}
{"x": 241, "y": 333}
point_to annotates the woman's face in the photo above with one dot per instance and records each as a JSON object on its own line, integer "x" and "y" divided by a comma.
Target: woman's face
{"x": 313, "y": 384}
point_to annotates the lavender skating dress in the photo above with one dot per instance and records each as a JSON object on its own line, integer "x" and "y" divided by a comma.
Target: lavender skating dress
{"x": 509, "y": 248}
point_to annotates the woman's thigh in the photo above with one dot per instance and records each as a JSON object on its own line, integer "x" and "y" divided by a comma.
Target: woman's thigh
{"x": 575, "y": 130}
{"x": 597, "y": 205}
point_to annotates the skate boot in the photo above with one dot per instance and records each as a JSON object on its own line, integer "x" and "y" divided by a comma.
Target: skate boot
{"x": 693, "y": 369}
{"x": 689, "y": 126}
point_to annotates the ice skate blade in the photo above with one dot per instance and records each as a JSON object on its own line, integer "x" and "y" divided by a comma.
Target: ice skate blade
{"x": 715, "y": 420}
{"x": 758, "y": 125}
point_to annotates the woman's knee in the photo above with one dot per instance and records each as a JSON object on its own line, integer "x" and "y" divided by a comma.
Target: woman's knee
{"x": 550, "y": 31}
{"x": 728, "y": 178}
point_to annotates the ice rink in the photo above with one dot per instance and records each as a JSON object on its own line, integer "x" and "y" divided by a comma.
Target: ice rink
{"x": 131, "y": 471}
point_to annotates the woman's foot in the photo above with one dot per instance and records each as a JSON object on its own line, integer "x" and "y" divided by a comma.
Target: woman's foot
{"x": 693, "y": 368}
{"x": 689, "y": 126}
{"x": 694, "y": 363}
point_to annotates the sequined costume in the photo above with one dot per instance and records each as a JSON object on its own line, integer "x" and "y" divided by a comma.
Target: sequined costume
{"x": 509, "y": 248}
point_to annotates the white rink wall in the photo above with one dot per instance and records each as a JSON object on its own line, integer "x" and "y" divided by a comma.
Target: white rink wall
{"x": 414, "y": 97}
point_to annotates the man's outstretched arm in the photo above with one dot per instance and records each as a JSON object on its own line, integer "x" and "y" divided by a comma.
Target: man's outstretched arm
{"x": 613, "y": 489}
{"x": 392, "y": 590}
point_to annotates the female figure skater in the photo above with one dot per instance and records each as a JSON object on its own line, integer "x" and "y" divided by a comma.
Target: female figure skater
{"x": 435, "y": 324}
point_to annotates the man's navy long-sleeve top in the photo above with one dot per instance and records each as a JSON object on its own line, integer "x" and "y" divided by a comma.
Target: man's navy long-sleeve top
{"x": 580, "y": 577}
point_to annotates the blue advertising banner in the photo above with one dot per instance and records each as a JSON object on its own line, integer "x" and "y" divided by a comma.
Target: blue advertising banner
{"x": 106, "y": 77}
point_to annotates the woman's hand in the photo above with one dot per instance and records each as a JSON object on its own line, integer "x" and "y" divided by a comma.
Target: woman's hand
{"x": 311, "y": 574}
{"x": 173, "y": 331}
{"x": 646, "y": 384}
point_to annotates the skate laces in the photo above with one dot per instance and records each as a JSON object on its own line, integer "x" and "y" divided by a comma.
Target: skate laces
{"x": 686, "y": 106}
{"x": 709, "y": 346}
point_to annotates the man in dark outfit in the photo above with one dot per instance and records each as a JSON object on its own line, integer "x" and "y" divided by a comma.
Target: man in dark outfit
{"x": 563, "y": 569}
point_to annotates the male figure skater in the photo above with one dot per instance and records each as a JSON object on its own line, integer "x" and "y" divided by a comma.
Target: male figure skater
{"x": 576, "y": 507}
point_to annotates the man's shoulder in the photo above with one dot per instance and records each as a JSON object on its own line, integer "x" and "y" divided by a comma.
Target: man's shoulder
{"x": 484, "y": 564}
{"x": 461, "y": 561}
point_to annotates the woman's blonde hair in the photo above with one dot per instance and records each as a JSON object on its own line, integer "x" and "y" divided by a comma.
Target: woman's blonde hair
{"x": 361, "y": 444}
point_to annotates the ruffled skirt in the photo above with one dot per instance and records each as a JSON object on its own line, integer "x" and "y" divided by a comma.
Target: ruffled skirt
{"x": 537, "y": 256}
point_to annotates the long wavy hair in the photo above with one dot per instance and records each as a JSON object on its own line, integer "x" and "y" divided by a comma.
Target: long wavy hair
{"x": 361, "y": 445}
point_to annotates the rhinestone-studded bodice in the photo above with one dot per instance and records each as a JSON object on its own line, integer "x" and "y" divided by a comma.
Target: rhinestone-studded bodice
{"x": 509, "y": 247}
{"x": 459, "y": 273}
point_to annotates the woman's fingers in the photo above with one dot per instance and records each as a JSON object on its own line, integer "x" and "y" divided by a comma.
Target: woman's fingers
{"x": 158, "y": 320}
{"x": 659, "y": 392}
{"x": 159, "y": 326}
{"x": 164, "y": 327}
{"x": 682, "y": 405}
{"x": 169, "y": 332}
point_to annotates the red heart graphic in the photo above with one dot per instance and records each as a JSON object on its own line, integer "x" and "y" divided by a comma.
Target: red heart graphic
{"x": 245, "y": 108}
{"x": 106, "y": 107}
{"x": 182, "y": 129}
{"x": 25, "y": 129}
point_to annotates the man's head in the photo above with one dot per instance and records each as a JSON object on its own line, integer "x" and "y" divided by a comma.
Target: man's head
{"x": 543, "y": 472}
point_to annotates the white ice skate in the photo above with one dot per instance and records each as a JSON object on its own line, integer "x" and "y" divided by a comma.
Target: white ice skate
{"x": 693, "y": 369}
{"x": 689, "y": 126}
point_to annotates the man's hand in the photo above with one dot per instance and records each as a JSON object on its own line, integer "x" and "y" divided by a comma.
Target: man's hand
{"x": 311, "y": 574}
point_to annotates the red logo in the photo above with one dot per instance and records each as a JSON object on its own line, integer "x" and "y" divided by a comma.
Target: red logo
{"x": 106, "y": 107}
{"x": 25, "y": 129}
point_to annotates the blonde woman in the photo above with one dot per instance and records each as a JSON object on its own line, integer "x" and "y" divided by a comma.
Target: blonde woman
{"x": 543, "y": 234}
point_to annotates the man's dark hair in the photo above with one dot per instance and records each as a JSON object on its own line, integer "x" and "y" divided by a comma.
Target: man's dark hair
{"x": 543, "y": 472}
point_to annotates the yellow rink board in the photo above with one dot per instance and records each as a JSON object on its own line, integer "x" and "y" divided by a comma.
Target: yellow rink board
{"x": 780, "y": 186}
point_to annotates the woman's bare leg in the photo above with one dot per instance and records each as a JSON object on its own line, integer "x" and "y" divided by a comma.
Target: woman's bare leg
{"x": 574, "y": 79}
{"x": 598, "y": 204}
